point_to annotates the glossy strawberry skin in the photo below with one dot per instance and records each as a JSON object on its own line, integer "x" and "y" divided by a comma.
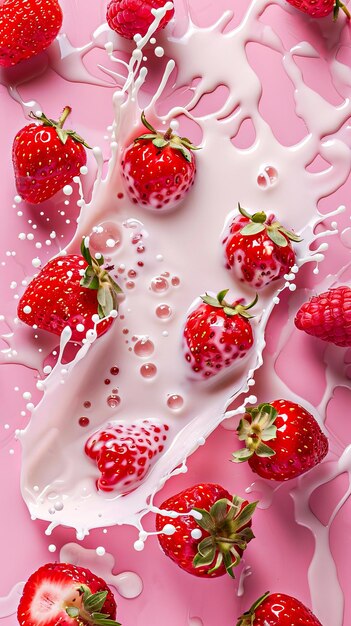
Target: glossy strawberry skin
{"x": 314, "y": 8}
{"x": 255, "y": 259}
{"x": 66, "y": 578}
{"x": 279, "y": 609}
{"x": 155, "y": 178}
{"x": 299, "y": 445}
{"x": 27, "y": 28}
{"x": 181, "y": 547}
{"x": 213, "y": 340}
{"x": 43, "y": 164}
{"x": 56, "y": 299}
{"x": 124, "y": 453}
{"x": 328, "y": 316}
{"x": 129, "y": 17}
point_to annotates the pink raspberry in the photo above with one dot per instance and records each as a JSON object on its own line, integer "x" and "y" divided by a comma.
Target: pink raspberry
{"x": 129, "y": 17}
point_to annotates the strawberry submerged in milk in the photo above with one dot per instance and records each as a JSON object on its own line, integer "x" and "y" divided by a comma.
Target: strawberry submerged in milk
{"x": 124, "y": 453}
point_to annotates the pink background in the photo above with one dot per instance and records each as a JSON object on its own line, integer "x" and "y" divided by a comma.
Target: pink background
{"x": 280, "y": 555}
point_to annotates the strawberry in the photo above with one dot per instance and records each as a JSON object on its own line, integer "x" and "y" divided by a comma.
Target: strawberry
{"x": 61, "y": 594}
{"x": 328, "y": 316}
{"x": 131, "y": 17}
{"x": 296, "y": 442}
{"x": 124, "y": 453}
{"x": 69, "y": 291}
{"x": 258, "y": 249}
{"x": 212, "y": 543}
{"x": 278, "y": 609}
{"x": 320, "y": 8}
{"x": 27, "y": 28}
{"x": 216, "y": 334}
{"x": 159, "y": 169}
{"x": 46, "y": 157}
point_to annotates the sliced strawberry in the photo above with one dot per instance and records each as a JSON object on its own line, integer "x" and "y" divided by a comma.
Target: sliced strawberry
{"x": 125, "y": 453}
{"x": 61, "y": 594}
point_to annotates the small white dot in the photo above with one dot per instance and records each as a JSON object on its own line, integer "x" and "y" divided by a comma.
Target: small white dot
{"x": 100, "y": 551}
{"x": 67, "y": 190}
{"x": 52, "y": 547}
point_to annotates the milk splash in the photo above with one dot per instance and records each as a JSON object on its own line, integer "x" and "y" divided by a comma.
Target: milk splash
{"x": 260, "y": 177}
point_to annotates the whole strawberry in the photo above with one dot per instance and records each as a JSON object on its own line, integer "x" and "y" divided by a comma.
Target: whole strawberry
{"x": 216, "y": 334}
{"x": 210, "y": 540}
{"x": 124, "y": 453}
{"x": 320, "y": 8}
{"x": 131, "y": 17}
{"x": 159, "y": 169}
{"x": 69, "y": 291}
{"x": 296, "y": 442}
{"x": 46, "y": 157}
{"x": 258, "y": 249}
{"x": 278, "y": 609}
{"x": 61, "y": 594}
{"x": 27, "y": 27}
{"x": 328, "y": 316}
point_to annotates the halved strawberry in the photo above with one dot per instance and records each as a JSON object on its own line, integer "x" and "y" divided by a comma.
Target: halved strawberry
{"x": 61, "y": 594}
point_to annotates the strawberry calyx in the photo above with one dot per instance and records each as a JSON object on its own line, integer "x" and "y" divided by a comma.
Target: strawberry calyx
{"x": 230, "y": 309}
{"x": 248, "y": 618}
{"x": 259, "y": 222}
{"x": 62, "y": 133}
{"x": 225, "y": 522}
{"x": 98, "y": 278}
{"x": 88, "y": 612}
{"x": 167, "y": 139}
{"x": 337, "y": 6}
{"x": 255, "y": 428}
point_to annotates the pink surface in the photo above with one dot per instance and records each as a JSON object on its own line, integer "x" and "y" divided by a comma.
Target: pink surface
{"x": 282, "y": 551}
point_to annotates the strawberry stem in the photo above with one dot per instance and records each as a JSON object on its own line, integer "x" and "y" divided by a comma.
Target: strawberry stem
{"x": 340, "y": 5}
{"x": 65, "y": 113}
{"x": 247, "y": 619}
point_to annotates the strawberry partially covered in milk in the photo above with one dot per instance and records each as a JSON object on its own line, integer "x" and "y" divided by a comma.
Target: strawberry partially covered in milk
{"x": 46, "y": 157}
{"x": 258, "y": 249}
{"x": 72, "y": 290}
{"x": 66, "y": 595}
{"x": 216, "y": 334}
{"x": 158, "y": 168}
{"x": 124, "y": 453}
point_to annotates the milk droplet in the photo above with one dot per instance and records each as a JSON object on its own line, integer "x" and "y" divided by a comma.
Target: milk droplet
{"x": 100, "y": 551}
{"x": 159, "y": 51}
{"x": 163, "y": 311}
{"x": 175, "y": 402}
{"x": 139, "y": 546}
{"x": 144, "y": 347}
{"x": 159, "y": 284}
{"x": 196, "y": 533}
{"x": 168, "y": 529}
{"x": 68, "y": 190}
{"x": 149, "y": 370}
{"x": 52, "y": 548}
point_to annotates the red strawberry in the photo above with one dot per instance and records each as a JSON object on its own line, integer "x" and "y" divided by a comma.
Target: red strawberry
{"x": 328, "y": 316}
{"x": 159, "y": 169}
{"x": 320, "y": 8}
{"x": 216, "y": 334}
{"x": 278, "y": 609}
{"x": 124, "y": 453}
{"x": 46, "y": 157}
{"x": 61, "y": 594}
{"x": 214, "y": 544}
{"x": 27, "y": 28}
{"x": 68, "y": 291}
{"x": 296, "y": 442}
{"x": 131, "y": 17}
{"x": 258, "y": 249}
